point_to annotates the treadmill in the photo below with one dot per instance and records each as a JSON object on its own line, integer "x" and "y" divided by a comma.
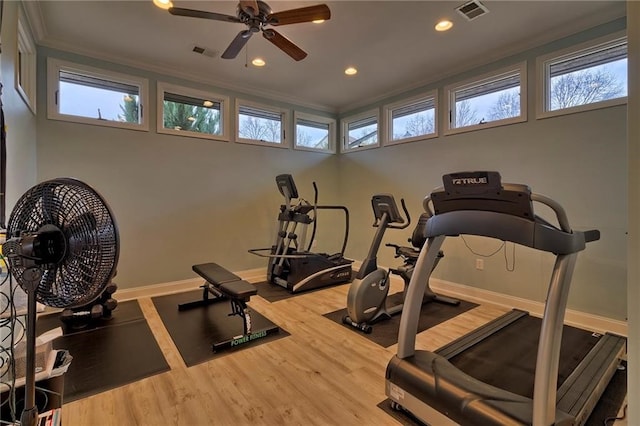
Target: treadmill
{"x": 428, "y": 385}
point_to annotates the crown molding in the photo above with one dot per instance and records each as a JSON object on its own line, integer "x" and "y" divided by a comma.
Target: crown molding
{"x": 36, "y": 20}
{"x": 178, "y": 73}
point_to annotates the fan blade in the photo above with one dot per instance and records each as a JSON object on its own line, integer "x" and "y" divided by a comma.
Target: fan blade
{"x": 178, "y": 11}
{"x": 250, "y": 7}
{"x": 237, "y": 44}
{"x": 284, "y": 44}
{"x": 296, "y": 16}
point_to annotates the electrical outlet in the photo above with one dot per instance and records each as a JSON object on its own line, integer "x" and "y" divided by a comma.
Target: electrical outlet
{"x": 479, "y": 264}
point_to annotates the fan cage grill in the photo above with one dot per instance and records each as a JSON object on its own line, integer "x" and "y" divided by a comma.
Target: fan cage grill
{"x": 90, "y": 232}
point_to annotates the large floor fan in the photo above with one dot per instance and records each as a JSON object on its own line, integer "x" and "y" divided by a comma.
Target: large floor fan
{"x": 62, "y": 248}
{"x": 257, "y": 16}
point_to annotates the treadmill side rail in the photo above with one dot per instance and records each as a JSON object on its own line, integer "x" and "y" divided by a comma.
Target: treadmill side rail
{"x": 433, "y": 382}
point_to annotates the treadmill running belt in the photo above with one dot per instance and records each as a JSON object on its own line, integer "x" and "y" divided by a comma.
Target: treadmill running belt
{"x": 507, "y": 359}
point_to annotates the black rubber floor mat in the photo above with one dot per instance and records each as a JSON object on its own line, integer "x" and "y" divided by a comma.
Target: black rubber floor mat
{"x": 115, "y": 353}
{"x": 195, "y": 330}
{"x": 385, "y": 332}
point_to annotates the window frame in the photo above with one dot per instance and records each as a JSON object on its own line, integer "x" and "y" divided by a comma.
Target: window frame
{"x": 224, "y": 102}
{"x": 25, "y": 63}
{"x": 452, "y": 89}
{"x": 284, "y": 123}
{"x": 544, "y": 63}
{"x": 345, "y": 122}
{"x": 54, "y": 66}
{"x": 388, "y": 118}
{"x": 331, "y": 122}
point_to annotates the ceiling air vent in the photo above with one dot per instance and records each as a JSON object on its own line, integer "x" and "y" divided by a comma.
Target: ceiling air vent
{"x": 472, "y": 10}
{"x": 205, "y": 51}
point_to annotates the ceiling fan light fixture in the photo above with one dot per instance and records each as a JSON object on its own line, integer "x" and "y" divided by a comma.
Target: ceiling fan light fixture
{"x": 351, "y": 71}
{"x": 258, "y": 62}
{"x": 163, "y": 4}
{"x": 444, "y": 25}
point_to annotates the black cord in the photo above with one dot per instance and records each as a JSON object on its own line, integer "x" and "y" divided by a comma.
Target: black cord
{"x": 610, "y": 419}
{"x": 502, "y": 247}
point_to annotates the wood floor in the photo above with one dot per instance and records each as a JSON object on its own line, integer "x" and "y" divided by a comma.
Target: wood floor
{"x": 322, "y": 374}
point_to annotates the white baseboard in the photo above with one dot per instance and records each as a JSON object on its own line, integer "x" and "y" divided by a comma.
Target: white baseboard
{"x": 448, "y": 288}
{"x": 252, "y": 275}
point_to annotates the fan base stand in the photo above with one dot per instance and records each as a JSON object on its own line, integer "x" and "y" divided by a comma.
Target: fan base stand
{"x": 29, "y": 417}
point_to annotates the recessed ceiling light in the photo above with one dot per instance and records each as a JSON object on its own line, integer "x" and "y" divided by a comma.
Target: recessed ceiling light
{"x": 444, "y": 25}
{"x": 163, "y": 4}
{"x": 351, "y": 71}
{"x": 258, "y": 62}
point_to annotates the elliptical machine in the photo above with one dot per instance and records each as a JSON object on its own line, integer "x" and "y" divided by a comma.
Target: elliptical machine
{"x": 291, "y": 263}
{"x": 367, "y": 297}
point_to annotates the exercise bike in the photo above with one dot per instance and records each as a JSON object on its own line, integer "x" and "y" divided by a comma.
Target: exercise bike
{"x": 367, "y": 297}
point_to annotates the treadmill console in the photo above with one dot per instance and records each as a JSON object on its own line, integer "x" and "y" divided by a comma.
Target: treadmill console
{"x": 482, "y": 190}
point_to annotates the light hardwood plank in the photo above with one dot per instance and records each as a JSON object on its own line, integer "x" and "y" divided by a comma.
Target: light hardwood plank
{"x": 321, "y": 374}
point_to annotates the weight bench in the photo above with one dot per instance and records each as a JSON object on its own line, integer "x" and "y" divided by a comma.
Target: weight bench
{"x": 225, "y": 285}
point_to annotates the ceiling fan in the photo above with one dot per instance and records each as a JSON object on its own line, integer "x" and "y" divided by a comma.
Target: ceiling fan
{"x": 257, "y": 16}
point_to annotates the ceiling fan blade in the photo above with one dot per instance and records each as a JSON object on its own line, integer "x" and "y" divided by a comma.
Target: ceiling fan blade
{"x": 296, "y": 16}
{"x": 284, "y": 44}
{"x": 237, "y": 44}
{"x": 178, "y": 11}
{"x": 250, "y": 7}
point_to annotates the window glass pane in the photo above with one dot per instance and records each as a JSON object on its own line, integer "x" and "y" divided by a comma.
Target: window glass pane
{"x": 413, "y": 120}
{"x": 87, "y": 96}
{"x": 587, "y": 78}
{"x": 311, "y": 134}
{"x": 362, "y": 132}
{"x": 182, "y": 112}
{"x": 259, "y": 125}
{"x": 492, "y": 101}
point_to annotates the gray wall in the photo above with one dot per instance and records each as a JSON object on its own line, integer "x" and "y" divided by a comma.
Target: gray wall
{"x": 577, "y": 159}
{"x": 178, "y": 201}
{"x": 633, "y": 126}
{"x": 20, "y": 121}
{"x": 181, "y": 201}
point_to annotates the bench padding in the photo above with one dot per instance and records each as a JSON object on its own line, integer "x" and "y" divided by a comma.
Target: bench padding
{"x": 225, "y": 280}
{"x": 215, "y": 273}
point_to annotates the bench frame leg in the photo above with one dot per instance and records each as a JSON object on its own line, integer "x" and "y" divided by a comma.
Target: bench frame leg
{"x": 207, "y": 289}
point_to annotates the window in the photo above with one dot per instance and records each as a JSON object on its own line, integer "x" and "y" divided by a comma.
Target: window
{"x": 25, "y": 67}
{"x": 360, "y": 131}
{"x": 260, "y": 125}
{"x": 411, "y": 120}
{"x": 189, "y": 112}
{"x": 314, "y": 133}
{"x": 590, "y": 76}
{"x": 493, "y": 100}
{"x": 88, "y": 95}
